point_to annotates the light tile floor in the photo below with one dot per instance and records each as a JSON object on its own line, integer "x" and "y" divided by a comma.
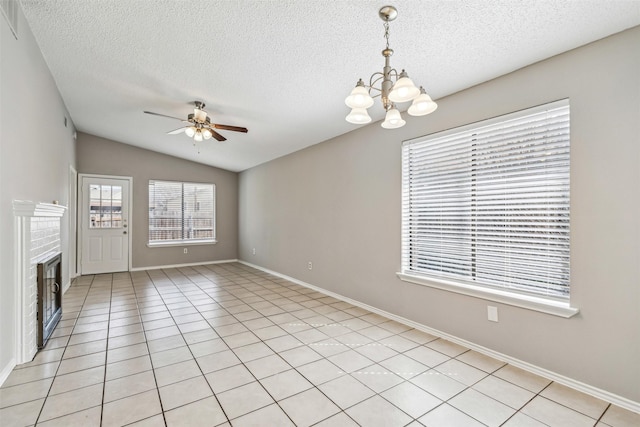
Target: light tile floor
{"x": 228, "y": 345}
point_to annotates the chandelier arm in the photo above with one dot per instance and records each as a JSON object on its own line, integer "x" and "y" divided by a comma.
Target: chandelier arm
{"x": 373, "y": 82}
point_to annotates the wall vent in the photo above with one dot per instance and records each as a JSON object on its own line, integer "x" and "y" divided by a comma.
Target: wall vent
{"x": 10, "y": 11}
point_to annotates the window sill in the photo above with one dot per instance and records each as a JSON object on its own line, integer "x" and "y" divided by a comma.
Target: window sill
{"x": 185, "y": 243}
{"x": 555, "y": 308}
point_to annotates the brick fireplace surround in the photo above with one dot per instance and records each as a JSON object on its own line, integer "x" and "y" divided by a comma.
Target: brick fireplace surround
{"x": 37, "y": 237}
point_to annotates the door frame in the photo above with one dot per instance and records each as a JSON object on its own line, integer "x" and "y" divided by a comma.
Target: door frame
{"x": 73, "y": 224}
{"x": 80, "y": 211}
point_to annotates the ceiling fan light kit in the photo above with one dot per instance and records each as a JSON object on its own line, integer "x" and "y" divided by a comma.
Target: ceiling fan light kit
{"x": 198, "y": 125}
{"x": 390, "y": 93}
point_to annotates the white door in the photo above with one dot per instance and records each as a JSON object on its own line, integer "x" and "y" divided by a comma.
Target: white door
{"x": 104, "y": 210}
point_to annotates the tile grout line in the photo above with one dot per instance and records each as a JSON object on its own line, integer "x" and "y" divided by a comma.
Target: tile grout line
{"x": 241, "y": 361}
{"x": 373, "y": 363}
{"x": 65, "y": 350}
{"x": 491, "y": 374}
{"x": 599, "y": 420}
{"x": 314, "y": 386}
{"x": 285, "y": 361}
{"x": 403, "y": 379}
{"x": 186, "y": 344}
{"x": 349, "y": 348}
{"x": 106, "y": 352}
{"x": 146, "y": 341}
{"x": 232, "y": 350}
{"x": 228, "y": 288}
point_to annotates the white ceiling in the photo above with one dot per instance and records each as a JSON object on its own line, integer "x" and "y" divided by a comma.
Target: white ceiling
{"x": 283, "y": 68}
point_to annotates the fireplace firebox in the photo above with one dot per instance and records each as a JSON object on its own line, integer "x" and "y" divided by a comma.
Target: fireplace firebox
{"x": 49, "y": 297}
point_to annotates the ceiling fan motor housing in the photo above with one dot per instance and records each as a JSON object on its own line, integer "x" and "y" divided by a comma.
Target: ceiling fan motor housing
{"x": 200, "y": 126}
{"x": 199, "y": 115}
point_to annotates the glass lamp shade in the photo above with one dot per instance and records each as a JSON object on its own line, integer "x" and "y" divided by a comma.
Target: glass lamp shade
{"x": 404, "y": 90}
{"x": 393, "y": 120}
{"x": 359, "y": 98}
{"x": 206, "y": 134}
{"x": 198, "y": 136}
{"x": 358, "y": 116}
{"x": 190, "y": 131}
{"x": 422, "y": 105}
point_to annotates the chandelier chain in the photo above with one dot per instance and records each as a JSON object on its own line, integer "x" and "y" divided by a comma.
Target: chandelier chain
{"x": 386, "y": 33}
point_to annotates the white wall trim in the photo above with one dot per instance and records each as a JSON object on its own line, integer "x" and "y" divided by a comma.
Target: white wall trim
{"x": 561, "y": 379}
{"x": 19, "y": 273}
{"x": 72, "y": 258}
{"x": 6, "y": 371}
{"x": 160, "y": 267}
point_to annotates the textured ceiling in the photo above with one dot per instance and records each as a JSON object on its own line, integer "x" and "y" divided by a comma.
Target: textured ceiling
{"x": 283, "y": 68}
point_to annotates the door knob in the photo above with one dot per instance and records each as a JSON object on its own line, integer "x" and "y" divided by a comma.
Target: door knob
{"x": 124, "y": 232}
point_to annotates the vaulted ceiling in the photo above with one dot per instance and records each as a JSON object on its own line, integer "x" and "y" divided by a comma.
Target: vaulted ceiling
{"x": 283, "y": 68}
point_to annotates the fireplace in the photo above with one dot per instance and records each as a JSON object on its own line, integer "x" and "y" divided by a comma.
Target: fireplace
{"x": 49, "y": 297}
{"x": 37, "y": 240}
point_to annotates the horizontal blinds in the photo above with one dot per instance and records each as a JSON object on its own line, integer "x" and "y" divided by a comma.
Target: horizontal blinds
{"x": 198, "y": 211}
{"x": 490, "y": 204}
{"x": 181, "y": 211}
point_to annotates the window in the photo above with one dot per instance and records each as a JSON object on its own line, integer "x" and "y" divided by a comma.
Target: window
{"x": 181, "y": 212}
{"x": 105, "y": 209}
{"x": 486, "y": 206}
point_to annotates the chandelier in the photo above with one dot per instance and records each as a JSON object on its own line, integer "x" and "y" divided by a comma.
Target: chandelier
{"x": 390, "y": 92}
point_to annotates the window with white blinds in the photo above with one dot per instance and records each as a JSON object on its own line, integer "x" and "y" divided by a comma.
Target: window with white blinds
{"x": 488, "y": 204}
{"x": 181, "y": 212}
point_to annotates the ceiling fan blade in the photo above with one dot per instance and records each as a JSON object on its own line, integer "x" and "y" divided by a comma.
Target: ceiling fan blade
{"x": 227, "y": 127}
{"x": 161, "y": 115}
{"x": 177, "y": 131}
{"x": 217, "y": 136}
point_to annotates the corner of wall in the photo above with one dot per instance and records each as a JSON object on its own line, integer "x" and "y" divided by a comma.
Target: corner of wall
{"x": 6, "y": 370}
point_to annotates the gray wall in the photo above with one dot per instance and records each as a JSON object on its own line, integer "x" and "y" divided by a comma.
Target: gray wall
{"x": 106, "y": 157}
{"x": 338, "y": 204}
{"x": 36, "y": 150}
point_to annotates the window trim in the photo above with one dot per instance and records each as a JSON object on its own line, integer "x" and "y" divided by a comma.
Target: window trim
{"x": 172, "y": 243}
{"x": 530, "y": 302}
{"x": 190, "y": 242}
{"x": 559, "y": 307}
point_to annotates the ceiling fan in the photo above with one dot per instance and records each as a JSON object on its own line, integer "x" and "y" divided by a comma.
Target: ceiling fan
{"x": 198, "y": 125}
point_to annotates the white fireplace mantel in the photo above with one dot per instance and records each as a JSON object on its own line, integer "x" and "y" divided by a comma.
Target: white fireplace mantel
{"x": 37, "y": 209}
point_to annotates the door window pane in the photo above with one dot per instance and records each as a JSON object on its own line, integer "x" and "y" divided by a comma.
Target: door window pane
{"x": 105, "y": 206}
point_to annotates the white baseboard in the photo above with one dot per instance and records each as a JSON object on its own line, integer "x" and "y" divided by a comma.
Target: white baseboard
{"x": 4, "y": 374}
{"x": 194, "y": 264}
{"x": 561, "y": 379}
{"x": 66, "y": 287}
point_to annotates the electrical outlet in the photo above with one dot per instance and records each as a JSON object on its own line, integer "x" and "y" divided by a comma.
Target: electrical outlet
{"x": 492, "y": 313}
{"x": 186, "y": 251}
{"x": 310, "y": 265}
{"x": 254, "y": 251}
